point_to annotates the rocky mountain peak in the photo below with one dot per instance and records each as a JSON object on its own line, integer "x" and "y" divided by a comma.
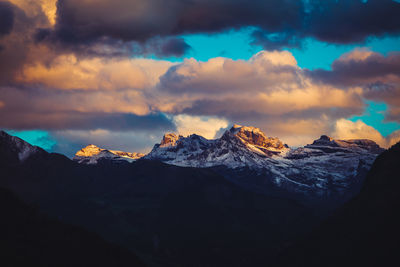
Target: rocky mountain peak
{"x": 170, "y": 139}
{"x": 89, "y": 150}
{"x": 92, "y": 153}
{"x": 254, "y": 136}
{"x": 365, "y": 144}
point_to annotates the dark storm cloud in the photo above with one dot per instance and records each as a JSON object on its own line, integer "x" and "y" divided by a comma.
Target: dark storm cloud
{"x": 141, "y": 20}
{"x": 171, "y": 46}
{"x": 6, "y": 18}
{"x": 87, "y": 22}
{"x": 349, "y": 21}
{"x": 278, "y": 23}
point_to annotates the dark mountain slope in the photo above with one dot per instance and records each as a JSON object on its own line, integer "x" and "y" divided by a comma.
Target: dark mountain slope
{"x": 364, "y": 232}
{"x": 168, "y": 215}
{"x": 28, "y": 238}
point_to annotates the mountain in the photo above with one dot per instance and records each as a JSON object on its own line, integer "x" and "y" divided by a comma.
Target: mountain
{"x": 167, "y": 215}
{"x": 14, "y": 149}
{"x": 365, "y": 231}
{"x": 327, "y": 168}
{"x": 239, "y": 147}
{"x": 29, "y": 238}
{"x": 242, "y": 213}
{"x": 93, "y": 155}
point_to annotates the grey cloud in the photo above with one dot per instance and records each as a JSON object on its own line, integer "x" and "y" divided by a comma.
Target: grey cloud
{"x": 278, "y": 23}
{"x": 355, "y": 72}
{"x": 6, "y": 18}
{"x": 378, "y": 75}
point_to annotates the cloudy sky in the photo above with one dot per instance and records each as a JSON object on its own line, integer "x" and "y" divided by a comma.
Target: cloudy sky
{"x": 121, "y": 73}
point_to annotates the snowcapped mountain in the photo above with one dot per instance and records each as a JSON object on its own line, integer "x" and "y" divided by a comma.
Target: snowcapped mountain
{"x": 246, "y": 156}
{"x": 324, "y": 168}
{"x": 93, "y": 154}
{"x": 239, "y": 147}
{"x": 17, "y": 148}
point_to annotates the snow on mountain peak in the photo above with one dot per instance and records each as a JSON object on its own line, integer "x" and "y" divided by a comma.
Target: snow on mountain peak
{"x": 92, "y": 153}
{"x": 325, "y": 164}
{"x": 240, "y": 146}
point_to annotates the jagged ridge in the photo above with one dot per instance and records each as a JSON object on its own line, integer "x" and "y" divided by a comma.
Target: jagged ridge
{"x": 327, "y": 166}
{"x": 91, "y": 154}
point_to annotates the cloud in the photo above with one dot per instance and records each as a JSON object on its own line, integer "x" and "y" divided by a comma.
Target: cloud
{"x": 277, "y": 23}
{"x": 17, "y": 46}
{"x": 68, "y": 72}
{"x": 346, "y": 129}
{"x": 361, "y": 67}
{"x": 62, "y": 120}
{"x": 142, "y": 20}
{"x": 207, "y": 127}
{"x": 351, "y": 21}
{"x": 6, "y": 18}
{"x": 269, "y": 90}
{"x": 376, "y": 74}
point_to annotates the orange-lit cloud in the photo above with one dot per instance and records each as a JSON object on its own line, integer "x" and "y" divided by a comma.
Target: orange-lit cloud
{"x": 67, "y": 72}
{"x": 269, "y": 91}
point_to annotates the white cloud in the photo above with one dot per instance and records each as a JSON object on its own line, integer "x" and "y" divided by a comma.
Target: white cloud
{"x": 346, "y": 129}
{"x": 207, "y": 127}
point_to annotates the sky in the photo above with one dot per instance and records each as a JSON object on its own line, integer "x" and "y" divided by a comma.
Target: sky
{"x": 120, "y": 74}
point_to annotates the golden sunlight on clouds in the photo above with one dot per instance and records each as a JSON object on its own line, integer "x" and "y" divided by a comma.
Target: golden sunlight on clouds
{"x": 358, "y": 54}
{"x": 69, "y": 73}
{"x": 34, "y": 8}
{"x": 276, "y": 57}
{"x": 346, "y": 129}
{"x": 268, "y": 91}
{"x": 206, "y": 127}
{"x": 50, "y": 9}
{"x": 278, "y": 102}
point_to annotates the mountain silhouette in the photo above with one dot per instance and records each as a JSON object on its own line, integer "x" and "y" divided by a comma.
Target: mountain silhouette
{"x": 29, "y": 238}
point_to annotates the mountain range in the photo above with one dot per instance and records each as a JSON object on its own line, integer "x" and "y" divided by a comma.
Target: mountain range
{"x": 327, "y": 168}
{"x": 239, "y": 200}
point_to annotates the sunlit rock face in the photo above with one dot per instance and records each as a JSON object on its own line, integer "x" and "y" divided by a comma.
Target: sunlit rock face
{"x": 89, "y": 151}
{"x": 92, "y": 154}
{"x": 170, "y": 139}
{"x": 254, "y": 137}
